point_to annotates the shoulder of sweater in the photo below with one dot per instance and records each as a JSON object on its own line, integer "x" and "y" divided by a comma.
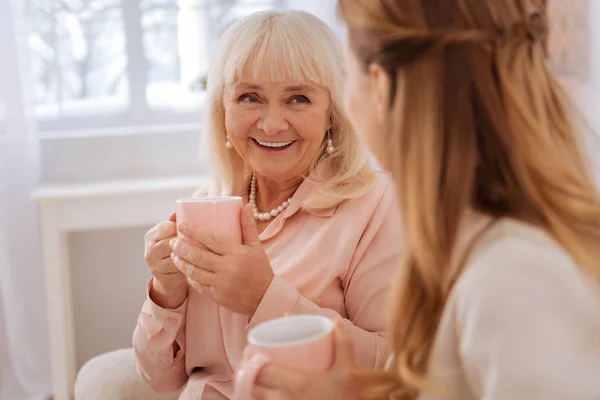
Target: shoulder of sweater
{"x": 513, "y": 251}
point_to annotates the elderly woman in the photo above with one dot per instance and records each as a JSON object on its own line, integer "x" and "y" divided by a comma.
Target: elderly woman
{"x": 320, "y": 230}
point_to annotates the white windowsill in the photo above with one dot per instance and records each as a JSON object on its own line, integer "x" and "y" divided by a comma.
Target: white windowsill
{"x": 114, "y": 204}
{"x": 120, "y": 131}
{"x": 124, "y": 187}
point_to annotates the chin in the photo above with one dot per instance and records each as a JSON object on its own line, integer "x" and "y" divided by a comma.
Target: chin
{"x": 273, "y": 172}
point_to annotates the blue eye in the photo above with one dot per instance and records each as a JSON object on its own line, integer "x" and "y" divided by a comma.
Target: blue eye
{"x": 248, "y": 98}
{"x": 300, "y": 99}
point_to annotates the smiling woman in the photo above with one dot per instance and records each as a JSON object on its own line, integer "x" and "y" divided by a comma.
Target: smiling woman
{"x": 320, "y": 228}
{"x": 281, "y": 86}
{"x": 277, "y": 127}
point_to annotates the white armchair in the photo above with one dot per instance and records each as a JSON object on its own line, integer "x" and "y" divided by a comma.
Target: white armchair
{"x": 112, "y": 376}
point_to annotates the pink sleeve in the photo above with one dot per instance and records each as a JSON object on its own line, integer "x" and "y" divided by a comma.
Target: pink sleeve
{"x": 157, "y": 334}
{"x": 366, "y": 288}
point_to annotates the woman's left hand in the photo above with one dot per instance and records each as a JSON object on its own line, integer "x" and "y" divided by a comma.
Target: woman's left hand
{"x": 236, "y": 276}
{"x": 342, "y": 382}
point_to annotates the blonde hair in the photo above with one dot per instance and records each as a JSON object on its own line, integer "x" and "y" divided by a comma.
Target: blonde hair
{"x": 278, "y": 46}
{"x": 477, "y": 121}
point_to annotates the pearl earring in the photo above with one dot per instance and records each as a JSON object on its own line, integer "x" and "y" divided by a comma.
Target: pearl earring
{"x": 330, "y": 148}
{"x": 228, "y": 143}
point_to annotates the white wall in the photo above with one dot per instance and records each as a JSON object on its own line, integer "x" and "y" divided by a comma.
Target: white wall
{"x": 109, "y": 286}
{"x": 586, "y": 95}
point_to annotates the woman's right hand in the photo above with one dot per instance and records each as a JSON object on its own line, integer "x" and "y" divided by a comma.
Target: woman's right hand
{"x": 169, "y": 286}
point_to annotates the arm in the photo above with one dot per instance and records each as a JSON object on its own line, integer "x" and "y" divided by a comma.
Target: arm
{"x": 529, "y": 327}
{"x": 159, "y": 345}
{"x": 159, "y": 337}
{"x": 366, "y": 286}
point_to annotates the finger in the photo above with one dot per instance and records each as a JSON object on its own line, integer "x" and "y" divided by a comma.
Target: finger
{"x": 277, "y": 377}
{"x": 219, "y": 244}
{"x": 249, "y": 229}
{"x": 198, "y": 275}
{"x": 167, "y": 267}
{"x": 262, "y": 393}
{"x": 344, "y": 350}
{"x": 173, "y": 217}
{"x": 197, "y": 286}
{"x": 161, "y": 231}
{"x": 195, "y": 255}
{"x": 160, "y": 250}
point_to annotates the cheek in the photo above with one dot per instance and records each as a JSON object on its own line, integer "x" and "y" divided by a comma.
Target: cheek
{"x": 239, "y": 121}
{"x": 357, "y": 108}
{"x": 350, "y": 99}
{"x": 310, "y": 125}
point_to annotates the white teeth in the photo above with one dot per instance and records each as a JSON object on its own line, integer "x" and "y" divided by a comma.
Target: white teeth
{"x": 273, "y": 144}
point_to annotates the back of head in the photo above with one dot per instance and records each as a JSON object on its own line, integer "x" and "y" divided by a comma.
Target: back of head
{"x": 477, "y": 121}
{"x": 278, "y": 46}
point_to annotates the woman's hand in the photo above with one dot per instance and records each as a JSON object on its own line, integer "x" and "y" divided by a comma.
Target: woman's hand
{"x": 342, "y": 382}
{"x": 169, "y": 287}
{"x": 236, "y": 276}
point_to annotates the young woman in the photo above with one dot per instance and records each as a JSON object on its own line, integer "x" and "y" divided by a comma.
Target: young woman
{"x": 498, "y": 291}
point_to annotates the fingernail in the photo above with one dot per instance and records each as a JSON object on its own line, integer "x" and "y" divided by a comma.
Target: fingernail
{"x": 183, "y": 228}
{"x": 173, "y": 256}
{"x": 172, "y": 243}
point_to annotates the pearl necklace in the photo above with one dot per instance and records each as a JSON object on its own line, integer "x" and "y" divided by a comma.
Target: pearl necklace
{"x": 268, "y": 215}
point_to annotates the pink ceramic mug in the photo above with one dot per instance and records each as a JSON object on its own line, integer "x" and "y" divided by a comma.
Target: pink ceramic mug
{"x": 301, "y": 342}
{"x": 218, "y": 214}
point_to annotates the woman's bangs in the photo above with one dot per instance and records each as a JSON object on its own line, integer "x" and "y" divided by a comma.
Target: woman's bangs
{"x": 274, "y": 56}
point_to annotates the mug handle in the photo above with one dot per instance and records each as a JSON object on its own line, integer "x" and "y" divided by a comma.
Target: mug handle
{"x": 245, "y": 377}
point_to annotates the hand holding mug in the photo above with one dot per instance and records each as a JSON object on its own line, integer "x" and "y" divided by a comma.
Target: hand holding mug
{"x": 236, "y": 273}
{"x": 169, "y": 284}
{"x": 297, "y": 357}
{"x": 341, "y": 382}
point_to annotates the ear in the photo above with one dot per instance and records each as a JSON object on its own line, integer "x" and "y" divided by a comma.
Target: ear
{"x": 380, "y": 82}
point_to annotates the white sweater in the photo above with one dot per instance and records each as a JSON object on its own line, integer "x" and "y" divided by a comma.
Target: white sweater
{"x": 522, "y": 322}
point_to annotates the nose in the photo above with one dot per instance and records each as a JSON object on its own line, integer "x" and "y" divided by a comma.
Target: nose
{"x": 272, "y": 121}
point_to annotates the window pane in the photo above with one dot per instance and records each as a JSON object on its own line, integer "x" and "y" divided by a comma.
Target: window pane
{"x": 179, "y": 38}
{"x": 77, "y": 53}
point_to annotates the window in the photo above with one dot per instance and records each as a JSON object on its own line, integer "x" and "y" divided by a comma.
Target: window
{"x": 124, "y": 63}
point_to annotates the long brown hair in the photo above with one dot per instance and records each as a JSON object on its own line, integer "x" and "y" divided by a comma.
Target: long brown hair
{"x": 476, "y": 121}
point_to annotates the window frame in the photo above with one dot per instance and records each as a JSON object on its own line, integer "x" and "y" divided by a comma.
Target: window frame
{"x": 137, "y": 117}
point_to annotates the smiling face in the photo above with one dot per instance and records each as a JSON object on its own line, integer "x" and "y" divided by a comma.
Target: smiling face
{"x": 277, "y": 128}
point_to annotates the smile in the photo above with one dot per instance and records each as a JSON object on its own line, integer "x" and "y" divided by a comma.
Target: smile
{"x": 273, "y": 145}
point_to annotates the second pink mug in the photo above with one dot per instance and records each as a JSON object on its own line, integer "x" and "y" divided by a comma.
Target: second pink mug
{"x": 220, "y": 215}
{"x": 303, "y": 343}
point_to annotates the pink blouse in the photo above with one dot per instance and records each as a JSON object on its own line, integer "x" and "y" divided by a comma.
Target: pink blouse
{"x": 339, "y": 260}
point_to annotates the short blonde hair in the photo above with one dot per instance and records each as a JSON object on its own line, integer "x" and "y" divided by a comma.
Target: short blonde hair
{"x": 277, "y": 45}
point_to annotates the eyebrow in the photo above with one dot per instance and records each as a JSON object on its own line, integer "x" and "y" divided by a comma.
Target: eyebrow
{"x": 295, "y": 88}
{"x": 244, "y": 85}
{"x": 299, "y": 88}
